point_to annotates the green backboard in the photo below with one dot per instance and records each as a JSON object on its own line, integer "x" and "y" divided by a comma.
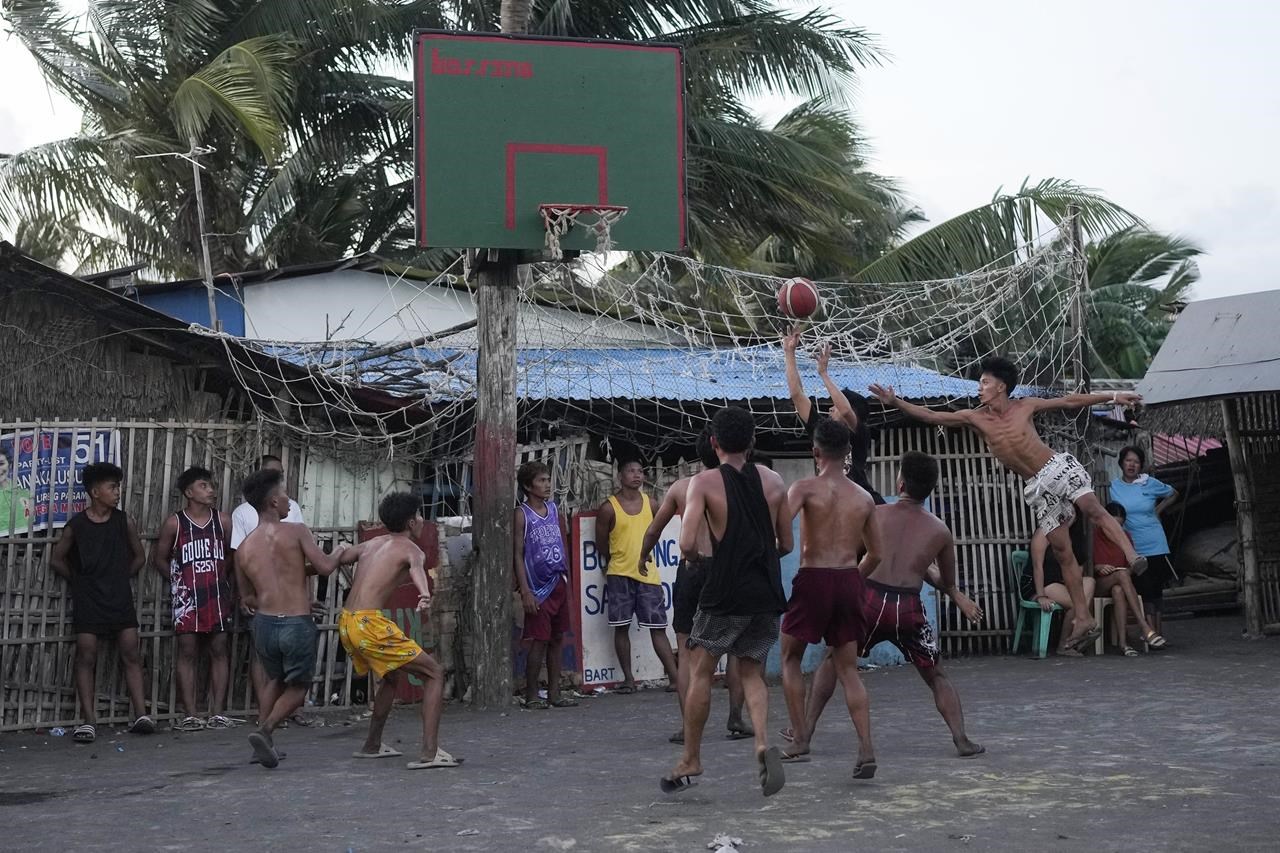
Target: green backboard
{"x": 506, "y": 123}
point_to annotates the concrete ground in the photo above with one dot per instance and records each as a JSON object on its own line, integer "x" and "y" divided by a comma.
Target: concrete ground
{"x": 1173, "y": 751}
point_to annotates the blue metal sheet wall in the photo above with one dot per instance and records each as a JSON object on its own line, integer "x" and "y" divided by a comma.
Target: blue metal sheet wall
{"x": 192, "y": 305}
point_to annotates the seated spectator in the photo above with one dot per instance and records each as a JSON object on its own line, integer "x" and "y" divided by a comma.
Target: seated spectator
{"x": 1042, "y": 582}
{"x": 1114, "y": 579}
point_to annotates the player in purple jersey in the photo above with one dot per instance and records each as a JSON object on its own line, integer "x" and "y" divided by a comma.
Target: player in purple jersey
{"x": 541, "y": 567}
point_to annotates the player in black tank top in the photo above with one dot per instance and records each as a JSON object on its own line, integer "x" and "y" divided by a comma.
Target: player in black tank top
{"x": 98, "y": 553}
{"x": 744, "y": 575}
{"x": 742, "y": 598}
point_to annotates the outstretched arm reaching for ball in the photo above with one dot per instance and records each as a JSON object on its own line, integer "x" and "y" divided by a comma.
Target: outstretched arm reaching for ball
{"x": 887, "y": 398}
{"x": 839, "y": 403}
{"x": 795, "y": 387}
{"x": 1079, "y": 401}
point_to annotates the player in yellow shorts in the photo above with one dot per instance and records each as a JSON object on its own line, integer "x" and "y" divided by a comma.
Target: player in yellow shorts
{"x": 375, "y": 643}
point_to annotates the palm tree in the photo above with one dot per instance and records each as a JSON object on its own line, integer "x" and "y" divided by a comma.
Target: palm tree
{"x": 285, "y": 92}
{"x": 312, "y": 141}
{"x": 1135, "y": 276}
{"x": 1136, "y": 279}
{"x": 997, "y": 233}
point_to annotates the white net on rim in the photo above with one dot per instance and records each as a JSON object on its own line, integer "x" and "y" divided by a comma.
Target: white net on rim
{"x": 560, "y": 219}
{"x": 643, "y": 352}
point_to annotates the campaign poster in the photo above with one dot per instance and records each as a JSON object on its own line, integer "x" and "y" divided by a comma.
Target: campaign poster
{"x": 40, "y": 474}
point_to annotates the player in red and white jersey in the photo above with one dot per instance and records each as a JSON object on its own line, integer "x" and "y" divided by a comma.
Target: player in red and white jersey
{"x": 193, "y": 555}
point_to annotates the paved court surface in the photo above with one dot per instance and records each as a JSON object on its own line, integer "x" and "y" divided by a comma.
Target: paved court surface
{"x": 1172, "y": 751}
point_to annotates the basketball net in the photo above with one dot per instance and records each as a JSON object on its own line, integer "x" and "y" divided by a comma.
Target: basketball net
{"x": 658, "y": 315}
{"x": 560, "y": 219}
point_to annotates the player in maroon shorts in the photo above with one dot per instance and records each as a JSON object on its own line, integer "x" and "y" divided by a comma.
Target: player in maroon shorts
{"x": 914, "y": 538}
{"x": 837, "y": 522}
{"x": 192, "y": 555}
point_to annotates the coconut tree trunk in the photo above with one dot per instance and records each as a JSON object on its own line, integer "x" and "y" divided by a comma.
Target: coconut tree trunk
{"x": 495, "y": 461}
{"x": 515, "y": 15}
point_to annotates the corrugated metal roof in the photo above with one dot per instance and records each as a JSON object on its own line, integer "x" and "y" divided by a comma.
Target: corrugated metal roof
{"x": 644, "y": 373}
{"x": 1218, "y": 348}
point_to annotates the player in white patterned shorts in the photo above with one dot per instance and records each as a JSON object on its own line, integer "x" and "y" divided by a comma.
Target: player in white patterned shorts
{"x": 1057, "y": 484}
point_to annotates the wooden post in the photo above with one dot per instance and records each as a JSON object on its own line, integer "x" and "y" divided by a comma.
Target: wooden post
{"x": 494, "y": 491}
{"x": 1079, "y": 363}
{"x": 1079, "y": 303}
{"x": 493, "y": 500}
{"x": 1244, "y": 522}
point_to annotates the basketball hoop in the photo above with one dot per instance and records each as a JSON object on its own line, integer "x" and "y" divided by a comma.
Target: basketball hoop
{"x": 559, "y": 220}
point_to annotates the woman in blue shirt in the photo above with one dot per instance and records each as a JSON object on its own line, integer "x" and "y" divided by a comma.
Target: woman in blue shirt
{"x": 1144, "y": 499}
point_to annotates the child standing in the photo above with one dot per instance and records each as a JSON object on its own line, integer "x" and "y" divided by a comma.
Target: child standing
{"x": 97, "y": 554}
{"x": 541, "y": 570}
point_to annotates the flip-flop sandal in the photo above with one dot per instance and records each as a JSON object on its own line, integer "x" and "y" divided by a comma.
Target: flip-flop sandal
{"x": 190, "y": 724}
{"x": 865, "y": 769}
{"x": 625, "y": 690}
{"x": 786, "y": 734}
{"x": 217, "y": 721}
{"x": 772, "y": 776}
{"x": 1130, "y": 652}
{"x": 1086, "y": 638}
{"x": 263, "y": 751}
{"x": 676, "y": 785}
{"x": 1155, "y": 641}
{"x": 678, "y": 737}
{"x": 536, "y": 705}
{"x": 144, "y": 725}
{"x": 85, "y": 734}
{"x": 565, "y": 702}
{"x": 1138, "y": 566}
{"x": 442, "y": 760}
{"x": 281, "y": 755}
{"x": 384, "y": 751}
{"x": 741, "y": 734}
{"x": 1070, "y": 653}
{"x": 802, "y": 758}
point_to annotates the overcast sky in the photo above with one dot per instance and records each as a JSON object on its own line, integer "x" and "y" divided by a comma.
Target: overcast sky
{"x": 1170, "y": 107}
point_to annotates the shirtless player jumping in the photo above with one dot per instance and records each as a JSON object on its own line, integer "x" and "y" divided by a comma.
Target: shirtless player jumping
{"x": 376, "y": 643}
{"x": 837, "y": 523}
{"x": 1056, "y": 482}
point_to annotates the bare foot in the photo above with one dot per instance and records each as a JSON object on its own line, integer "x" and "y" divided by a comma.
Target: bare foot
{"x": 968, "y": 749}
{"x": 685, "y": 768}
{"x": 798, "y": 750}
{"x": 1082, "y": 627}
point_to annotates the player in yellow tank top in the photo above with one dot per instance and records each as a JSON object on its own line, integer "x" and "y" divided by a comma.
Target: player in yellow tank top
{"x": 625, "y": 540}
{"x": 632, "y": 590}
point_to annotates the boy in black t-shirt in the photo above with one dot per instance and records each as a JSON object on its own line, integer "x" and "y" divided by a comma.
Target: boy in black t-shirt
{"x": 97, "y": 554}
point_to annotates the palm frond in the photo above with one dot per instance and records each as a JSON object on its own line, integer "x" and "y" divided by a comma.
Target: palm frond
{"x": 810, "y": 55}
{"x": 51, "y": 36}
{"x": 997, "y": 232}
{"x": 247, "y": 87}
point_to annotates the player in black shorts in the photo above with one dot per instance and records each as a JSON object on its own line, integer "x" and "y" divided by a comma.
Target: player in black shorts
{"x": 690, "y": 578}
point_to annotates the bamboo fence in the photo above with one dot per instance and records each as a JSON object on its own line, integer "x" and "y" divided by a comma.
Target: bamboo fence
{"x": 1258, "y": 422}
{"x": 37, "y": 646}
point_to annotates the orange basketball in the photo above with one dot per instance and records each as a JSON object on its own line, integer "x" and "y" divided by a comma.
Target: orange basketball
{"x": 798, "y": 298}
